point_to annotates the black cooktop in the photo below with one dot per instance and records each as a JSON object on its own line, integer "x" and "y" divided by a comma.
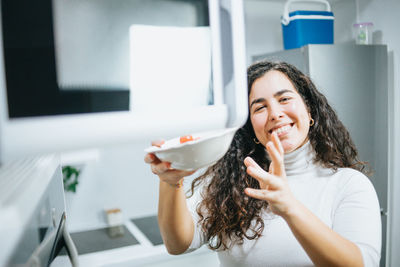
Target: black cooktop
{"x": 116, "y": 236}
{"x": 102, "y": 239}
{"x": 149, "y": 227}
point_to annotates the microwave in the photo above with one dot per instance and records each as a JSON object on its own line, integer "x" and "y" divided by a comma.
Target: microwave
{"x": 65, "y": 81}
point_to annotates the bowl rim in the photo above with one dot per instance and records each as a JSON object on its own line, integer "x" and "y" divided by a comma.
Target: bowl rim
{"x": 212, "y": 134}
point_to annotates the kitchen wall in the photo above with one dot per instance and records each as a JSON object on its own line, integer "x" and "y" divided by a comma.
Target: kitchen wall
{"x": 263, "y": 27}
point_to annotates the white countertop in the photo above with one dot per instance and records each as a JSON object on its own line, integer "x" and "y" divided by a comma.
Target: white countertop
{"x": 143, "y": 254}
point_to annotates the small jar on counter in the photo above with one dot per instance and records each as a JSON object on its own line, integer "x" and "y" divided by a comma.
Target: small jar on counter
{"x": 363, "y": 32}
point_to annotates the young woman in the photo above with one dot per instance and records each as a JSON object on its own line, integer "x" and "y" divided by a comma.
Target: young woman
{"x": 289, "y": 191}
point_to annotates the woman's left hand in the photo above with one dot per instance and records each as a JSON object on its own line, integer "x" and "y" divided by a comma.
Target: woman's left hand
{"x": 274, "y": 187}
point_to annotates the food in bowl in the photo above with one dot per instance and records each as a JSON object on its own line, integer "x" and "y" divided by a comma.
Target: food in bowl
{"x": 187, "y": 138}
{"x": 199, "y": 150}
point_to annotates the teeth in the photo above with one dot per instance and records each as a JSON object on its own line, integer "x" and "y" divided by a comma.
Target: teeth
{"x": 283, "y": 129}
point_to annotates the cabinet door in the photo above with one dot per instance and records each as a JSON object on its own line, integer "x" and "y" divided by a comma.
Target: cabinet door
{"x": 49, "y": 105}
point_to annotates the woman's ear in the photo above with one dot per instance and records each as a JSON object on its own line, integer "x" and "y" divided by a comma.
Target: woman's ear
{"x": 310, "y": 119}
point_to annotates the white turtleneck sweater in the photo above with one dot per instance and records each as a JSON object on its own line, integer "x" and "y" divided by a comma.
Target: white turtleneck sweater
{"x": 345, "y": 200}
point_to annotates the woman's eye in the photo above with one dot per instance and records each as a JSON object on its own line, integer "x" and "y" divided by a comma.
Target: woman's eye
{"x": 284, "y": 99}
{"x": 259, "y": 108}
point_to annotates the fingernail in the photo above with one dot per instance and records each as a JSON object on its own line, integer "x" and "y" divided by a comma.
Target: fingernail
{"x": 250, "y": 159}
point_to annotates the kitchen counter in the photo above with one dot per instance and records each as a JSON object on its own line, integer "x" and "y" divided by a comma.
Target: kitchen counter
{"x": 135, "y": 243}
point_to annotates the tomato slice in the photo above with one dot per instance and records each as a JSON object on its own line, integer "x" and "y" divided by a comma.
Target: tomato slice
{"x": 187, "y": 138}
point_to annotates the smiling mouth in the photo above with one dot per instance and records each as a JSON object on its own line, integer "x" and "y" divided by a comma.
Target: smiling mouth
{"x": 282, "y": 130}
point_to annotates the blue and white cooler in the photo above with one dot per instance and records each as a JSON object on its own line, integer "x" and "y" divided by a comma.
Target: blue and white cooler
{"x": 304, "y": 27}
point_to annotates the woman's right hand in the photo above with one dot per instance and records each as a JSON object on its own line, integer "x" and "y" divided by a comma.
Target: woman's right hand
{"x": 163, "y": 169}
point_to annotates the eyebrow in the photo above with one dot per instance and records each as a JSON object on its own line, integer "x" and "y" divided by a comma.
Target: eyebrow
{"x": 277, "y": 94}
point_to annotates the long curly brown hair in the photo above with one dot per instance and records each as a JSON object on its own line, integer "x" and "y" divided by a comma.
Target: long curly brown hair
{"x": 227, "y": 214}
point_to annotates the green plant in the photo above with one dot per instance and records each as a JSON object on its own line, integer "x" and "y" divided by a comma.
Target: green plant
{"x": 70, "y": 178}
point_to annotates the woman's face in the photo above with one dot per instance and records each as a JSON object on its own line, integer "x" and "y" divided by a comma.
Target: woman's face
{"x": 276, "y": 106}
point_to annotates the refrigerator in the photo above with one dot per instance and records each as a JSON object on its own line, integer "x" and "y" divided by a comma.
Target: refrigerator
{"x": 354, "y": 79}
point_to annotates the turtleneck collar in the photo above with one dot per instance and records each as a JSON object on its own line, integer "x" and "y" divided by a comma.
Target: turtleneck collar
{"x": 300, "y": 161}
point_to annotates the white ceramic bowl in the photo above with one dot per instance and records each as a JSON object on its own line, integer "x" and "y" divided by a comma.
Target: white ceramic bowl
{"x": 192, "y": 155}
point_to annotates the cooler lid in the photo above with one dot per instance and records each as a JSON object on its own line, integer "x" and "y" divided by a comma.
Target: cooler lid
{"x": 310, "y": 12}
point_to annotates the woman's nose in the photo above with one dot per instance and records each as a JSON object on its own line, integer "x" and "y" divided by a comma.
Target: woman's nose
{"x": 275, "y": 112}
